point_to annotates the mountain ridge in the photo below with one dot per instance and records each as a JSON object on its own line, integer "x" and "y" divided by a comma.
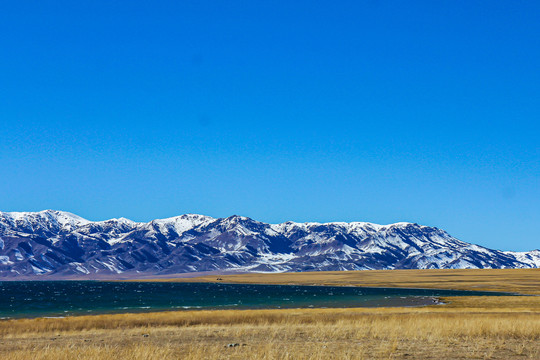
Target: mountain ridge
{"x": 53, "y": 243}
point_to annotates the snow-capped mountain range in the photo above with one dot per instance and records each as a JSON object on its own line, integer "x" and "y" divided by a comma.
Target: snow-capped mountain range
{"x": 60, "y": 244}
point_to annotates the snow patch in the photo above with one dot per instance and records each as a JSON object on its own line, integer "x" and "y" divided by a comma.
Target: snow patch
{"x": 4, "y": 260}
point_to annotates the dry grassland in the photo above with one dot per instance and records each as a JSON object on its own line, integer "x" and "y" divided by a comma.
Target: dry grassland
{"x": 465, "y": 328}
{"x": 524, "y": 281}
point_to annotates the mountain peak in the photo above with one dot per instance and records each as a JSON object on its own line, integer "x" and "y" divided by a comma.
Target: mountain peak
{"x": 62, "y": 218}
{"x": 60, "y": 244}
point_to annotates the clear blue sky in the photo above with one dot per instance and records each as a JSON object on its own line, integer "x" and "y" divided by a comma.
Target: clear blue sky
{"x": 380, "y": 111}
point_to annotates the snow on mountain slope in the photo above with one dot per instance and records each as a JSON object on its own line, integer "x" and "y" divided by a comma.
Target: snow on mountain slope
{"x": 531, "y": 258}
{"x": 181, "y": 224}
{"x": 47, "y": 220}
{"x": 59, "y": 244}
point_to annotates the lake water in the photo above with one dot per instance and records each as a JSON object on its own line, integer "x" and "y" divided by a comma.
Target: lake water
{"x": 63, "y": 298}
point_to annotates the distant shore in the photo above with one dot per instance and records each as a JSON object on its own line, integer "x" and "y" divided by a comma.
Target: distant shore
{"x": 521, "y": 281}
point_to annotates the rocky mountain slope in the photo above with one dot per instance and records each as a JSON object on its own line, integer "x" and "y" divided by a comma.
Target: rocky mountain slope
{"x": 60, "y": 244}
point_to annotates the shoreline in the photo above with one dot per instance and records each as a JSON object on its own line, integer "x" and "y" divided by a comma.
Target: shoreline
{"x": 413, "y": 303}
{"x": 509, "y": 283}
{"x": 324, "y": 298}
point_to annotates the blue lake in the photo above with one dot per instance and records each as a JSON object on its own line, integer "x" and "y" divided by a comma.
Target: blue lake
{"x": 63, "y": 298}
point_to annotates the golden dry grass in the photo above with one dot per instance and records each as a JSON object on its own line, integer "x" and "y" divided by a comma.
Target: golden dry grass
{"x": 464, "y": 328}
{"x": 433, "y": 332}
{"x": 525, "y": 281}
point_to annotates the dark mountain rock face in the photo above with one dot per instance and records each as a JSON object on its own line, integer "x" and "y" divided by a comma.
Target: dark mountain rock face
{"x": 59, "y": 244}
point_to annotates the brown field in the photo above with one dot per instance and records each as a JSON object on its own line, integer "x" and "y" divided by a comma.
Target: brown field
{"x": 464, "y": 328}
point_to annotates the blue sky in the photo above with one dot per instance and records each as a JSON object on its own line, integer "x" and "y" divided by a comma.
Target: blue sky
{"x": 381, "y": 111}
